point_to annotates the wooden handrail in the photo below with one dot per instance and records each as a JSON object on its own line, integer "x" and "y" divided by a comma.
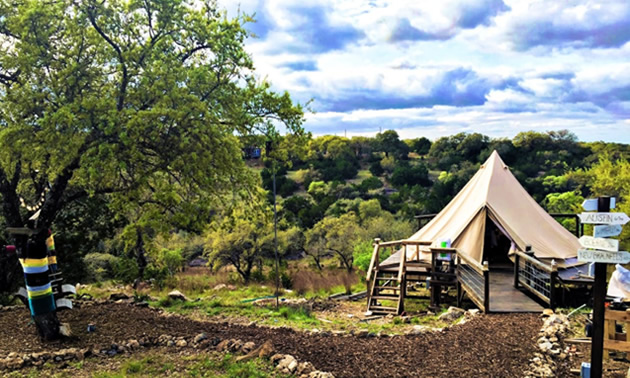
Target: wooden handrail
{"x": 474, "y": 264}
{"x": 443, "y": 250}
{"x": 405, "y": 242}
{"x": 374, "y": 260}
{"x": 541, "y": 265}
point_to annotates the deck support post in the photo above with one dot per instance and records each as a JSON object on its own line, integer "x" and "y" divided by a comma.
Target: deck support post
{"x": 516, "y": 267}
{"x": 486, "y": 288}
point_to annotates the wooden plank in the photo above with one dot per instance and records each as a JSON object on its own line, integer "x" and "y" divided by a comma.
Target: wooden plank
{"x": 622, "y": 346}
{"x": 374, "y": 258}
{"x": 620, "y": 316}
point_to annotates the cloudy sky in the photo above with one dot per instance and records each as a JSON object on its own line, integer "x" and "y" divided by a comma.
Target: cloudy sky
{"x": 434, "y": 68}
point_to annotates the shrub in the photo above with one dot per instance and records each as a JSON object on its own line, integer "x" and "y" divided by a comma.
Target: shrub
{"x": 370, "y": 183}
{"x": 126, "y": 270}
{"x": 100, "y": 266}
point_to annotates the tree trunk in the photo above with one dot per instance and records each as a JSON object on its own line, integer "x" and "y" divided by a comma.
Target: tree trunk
{"x": 141, "y": 257}
{"x": 46, "y": 322}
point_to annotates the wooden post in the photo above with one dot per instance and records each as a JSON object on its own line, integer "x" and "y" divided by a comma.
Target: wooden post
{"x": 486, "y": 287}
{"x": 516, "y": 267}
{"x": 599, "y": 296}
{"x": 553, "y": 295}
{"x": 578, "y": 227}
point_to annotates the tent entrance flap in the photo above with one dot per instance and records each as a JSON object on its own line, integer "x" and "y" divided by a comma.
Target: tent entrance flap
{"x": 497, "y": 245}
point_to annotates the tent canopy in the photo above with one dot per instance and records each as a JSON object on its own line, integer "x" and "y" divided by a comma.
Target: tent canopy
{"x": 494, "y": 193}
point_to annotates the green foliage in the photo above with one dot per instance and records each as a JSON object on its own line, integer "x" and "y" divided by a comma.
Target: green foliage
{"x": 336, "y": 236}
{"x": 388, "y": 143}
{"x": 100, "y": 100}
{"x": 376, "y": 169}
{"x": 406, "y": 174}
{"x": 100, "y": 266}
{"x": 126, "y": 270}
{"x": 421, "y": 145}
{"x": 171, "y": 260}
{"x": 370, "y": 183}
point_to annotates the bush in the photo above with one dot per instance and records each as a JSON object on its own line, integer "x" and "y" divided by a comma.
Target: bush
{"x": 126, "y": 270}
{"x": 376, "y": 169}
{"x": 100, "y": 266}
{"x": 370, "y": 183}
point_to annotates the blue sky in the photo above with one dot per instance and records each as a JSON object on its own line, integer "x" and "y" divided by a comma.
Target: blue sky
{"x": 435, "y": 68}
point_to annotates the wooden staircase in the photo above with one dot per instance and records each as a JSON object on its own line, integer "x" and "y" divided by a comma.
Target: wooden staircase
{"x": 386, "y": 286}
{"x": 387, "y": 283}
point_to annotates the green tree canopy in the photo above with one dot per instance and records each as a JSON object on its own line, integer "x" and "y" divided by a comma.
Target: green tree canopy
{"x": 143, "y": 100}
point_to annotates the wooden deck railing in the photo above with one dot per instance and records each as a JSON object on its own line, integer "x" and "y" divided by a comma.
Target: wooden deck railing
{"x": 474, "y": 279}
{"x": 536, "y": 276}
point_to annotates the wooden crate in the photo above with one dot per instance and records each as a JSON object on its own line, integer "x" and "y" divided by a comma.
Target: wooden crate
{"x": 614, "y": 340}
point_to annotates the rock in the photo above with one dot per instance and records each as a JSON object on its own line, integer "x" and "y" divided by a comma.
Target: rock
{"x": 418, "y": 329}
{"x": 133, "y": 344}
{"x": 200, "y": 337}
{"x": 287, "y": 365}
{"x": 64, "y": 329}
{"x": 248, "y": 347}
{"x": 177, "y": 295}
{"x": 362, "y": 333}
{"x": 304, "y": 368}
{"x": 547, "y": 312}
{"x": 276, "y": 358}
{"x": 405, "y": 319}
{"x": 265, "y": 350}
{"x": 262, "y": 351}
{"x": 472, "y": 312}
{"x": 320, "y": 374}
{"x": 452, "y": 314}
{"x": 170, "y": 343}
{"x": 223, "y": 345}
{"x": 236, "y": 345}
{"x": 142, "y": 304}
{"x": 219, "y": 287}
{"x": 181, "y": 343}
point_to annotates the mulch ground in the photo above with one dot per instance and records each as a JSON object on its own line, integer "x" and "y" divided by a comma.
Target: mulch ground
{"x": 489, "y": 345}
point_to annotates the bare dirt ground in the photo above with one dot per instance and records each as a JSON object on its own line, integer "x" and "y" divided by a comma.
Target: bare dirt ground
{"x": 488, "y": 345}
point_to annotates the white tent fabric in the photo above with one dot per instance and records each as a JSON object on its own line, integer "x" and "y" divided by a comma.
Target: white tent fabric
{"x": 494, "y": 192}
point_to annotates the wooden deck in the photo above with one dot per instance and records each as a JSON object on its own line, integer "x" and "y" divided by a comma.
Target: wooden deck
{"x": 505, "y": 298}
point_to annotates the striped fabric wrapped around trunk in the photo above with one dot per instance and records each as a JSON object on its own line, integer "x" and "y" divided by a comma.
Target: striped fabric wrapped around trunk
{"x": 36, "y": 268}
{"x": 52, "y": 254}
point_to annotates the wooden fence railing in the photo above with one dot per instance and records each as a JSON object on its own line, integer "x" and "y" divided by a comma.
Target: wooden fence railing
{"x": 474, "y": 279}
{"x": 614, "y": 340}
{"x": 536, "y": 276}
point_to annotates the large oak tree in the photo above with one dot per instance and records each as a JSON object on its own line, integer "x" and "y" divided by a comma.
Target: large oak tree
{"x": 141, "y": 100}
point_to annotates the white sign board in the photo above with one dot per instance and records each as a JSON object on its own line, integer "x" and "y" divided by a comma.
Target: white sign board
{"x": 591, "y": 204}
{"x": 589, "y": 255}
{"x": 607, "y": 230}
{"x": 599, "y": 243}
{"x": 604, "y": 218}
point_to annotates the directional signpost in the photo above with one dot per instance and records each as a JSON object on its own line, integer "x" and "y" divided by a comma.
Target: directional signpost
{"x": 604, "y": 218}
{"x": 605, "y": 231}
{"x": 601, "y": 251}
{"x": 590, "y": 255}
{"x": 611, "y": 245}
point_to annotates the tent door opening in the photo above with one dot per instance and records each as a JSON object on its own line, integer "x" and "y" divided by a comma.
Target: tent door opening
{"x": 496, "y": 247}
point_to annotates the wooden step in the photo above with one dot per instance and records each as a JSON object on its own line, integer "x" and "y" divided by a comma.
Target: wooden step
{"x": 383, "y": 309}
{"x": 394, "y": 278}
{"x": 396, "y": 288}
{"x": 385, "y": 297}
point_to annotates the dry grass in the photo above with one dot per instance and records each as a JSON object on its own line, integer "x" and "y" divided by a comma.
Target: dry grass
{"x": 312, "y": 281}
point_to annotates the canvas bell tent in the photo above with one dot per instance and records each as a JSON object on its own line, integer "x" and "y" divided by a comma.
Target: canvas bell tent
{"x": 491, "y": 224}
{"x": 494, "y": 215}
